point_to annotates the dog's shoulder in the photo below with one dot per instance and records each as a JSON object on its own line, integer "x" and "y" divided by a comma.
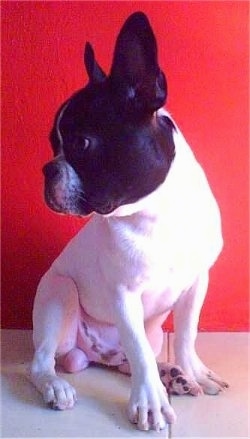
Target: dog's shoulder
{"x": 185, "y": 170}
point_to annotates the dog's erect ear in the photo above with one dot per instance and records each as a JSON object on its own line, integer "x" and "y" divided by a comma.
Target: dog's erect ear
{"x": 135, "y": 70}
{"x": 95, "y": 73}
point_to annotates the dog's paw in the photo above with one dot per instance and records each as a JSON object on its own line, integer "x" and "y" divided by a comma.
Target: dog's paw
{"x": 149, "y": 407}
{"x": 208, "y": 381}
{"x": 58, "y": 393}
{"x": 176, "y": 381}
{"x": 211, "y": 383}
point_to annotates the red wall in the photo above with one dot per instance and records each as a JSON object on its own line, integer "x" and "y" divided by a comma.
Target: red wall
{"x": 203, "y": 50}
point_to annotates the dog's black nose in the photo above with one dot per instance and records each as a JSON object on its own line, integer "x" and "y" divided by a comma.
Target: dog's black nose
{"x": 51, "y": 170}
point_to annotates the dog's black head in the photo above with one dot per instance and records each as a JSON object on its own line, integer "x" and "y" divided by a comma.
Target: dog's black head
{"x": 110, "y": 146}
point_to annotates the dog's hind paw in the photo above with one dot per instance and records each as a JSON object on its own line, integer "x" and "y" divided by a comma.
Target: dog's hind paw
{"x": 176, "y": 381}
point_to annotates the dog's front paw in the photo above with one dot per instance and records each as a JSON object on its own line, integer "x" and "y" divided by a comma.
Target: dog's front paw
{"x": 208, "y": 382}
{"x": 58, "y": 393}
{"x": 149, "y": 407}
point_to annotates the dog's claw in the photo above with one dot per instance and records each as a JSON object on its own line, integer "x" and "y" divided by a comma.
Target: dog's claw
{"x": 149, "y": 407}
{"x": 58, "y": 394}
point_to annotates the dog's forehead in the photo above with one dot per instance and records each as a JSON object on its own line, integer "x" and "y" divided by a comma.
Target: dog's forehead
{"x": 93, "y": 110}
{"x": 85, "y": 106}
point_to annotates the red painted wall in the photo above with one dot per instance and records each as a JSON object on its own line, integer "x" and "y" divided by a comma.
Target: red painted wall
{"x": 203, "y": 50}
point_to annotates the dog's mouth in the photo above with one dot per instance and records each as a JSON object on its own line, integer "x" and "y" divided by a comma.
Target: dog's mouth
{"x": 110, "y": 205}
{"x": 105, "y": 209}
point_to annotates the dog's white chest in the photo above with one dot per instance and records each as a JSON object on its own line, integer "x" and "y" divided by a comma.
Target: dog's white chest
{"x": 156, "y": 264}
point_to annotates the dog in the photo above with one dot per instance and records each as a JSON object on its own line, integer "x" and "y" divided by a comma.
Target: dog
{"x": 153, "y": 234}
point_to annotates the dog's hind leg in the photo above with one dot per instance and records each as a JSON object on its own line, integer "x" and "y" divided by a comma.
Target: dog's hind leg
{"x": 55, "y": 325}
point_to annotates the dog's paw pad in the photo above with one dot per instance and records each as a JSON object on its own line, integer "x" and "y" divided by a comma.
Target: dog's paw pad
{"x": 168, "y": 372}
{"x": 176, "y": 381}
{"x": 179, "y": 386}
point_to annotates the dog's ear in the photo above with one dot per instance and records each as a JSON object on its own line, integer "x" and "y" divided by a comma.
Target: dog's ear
{"x": 135, "y": 70}
{"x": 95, "y": 73}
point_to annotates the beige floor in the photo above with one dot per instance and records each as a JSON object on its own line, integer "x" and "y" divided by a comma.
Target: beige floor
{"x": 102, "y": 396}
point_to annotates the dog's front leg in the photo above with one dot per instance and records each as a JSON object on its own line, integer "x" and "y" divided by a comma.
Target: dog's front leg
{"x": 148, "y": 405}
{"x": 186, "y": 317}
{"x": 55, "y": 322}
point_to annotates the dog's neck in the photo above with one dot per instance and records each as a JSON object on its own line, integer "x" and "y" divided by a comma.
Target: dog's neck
{"x": 141, "y": 222}
{"x": 142, "y": 217}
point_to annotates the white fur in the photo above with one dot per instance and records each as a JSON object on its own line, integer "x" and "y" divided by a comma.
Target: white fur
{"x": 67, "y": 189}
{"x": 130, "y": 269}
{"x": 59, "y": 118}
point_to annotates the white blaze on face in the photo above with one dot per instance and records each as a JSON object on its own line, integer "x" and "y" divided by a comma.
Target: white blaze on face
{"x": 68, "y": 187}
{"x": 59, "y": 118}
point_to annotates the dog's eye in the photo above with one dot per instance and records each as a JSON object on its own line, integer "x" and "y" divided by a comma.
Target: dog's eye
{"x": 86, "y": 143}
{"x": 80, "y": 143}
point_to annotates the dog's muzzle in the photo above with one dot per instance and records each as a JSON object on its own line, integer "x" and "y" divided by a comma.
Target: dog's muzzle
{"x": 63, "y": 189}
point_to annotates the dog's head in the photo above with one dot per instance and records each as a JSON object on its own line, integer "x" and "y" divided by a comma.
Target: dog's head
{"x": 110, "y": 146}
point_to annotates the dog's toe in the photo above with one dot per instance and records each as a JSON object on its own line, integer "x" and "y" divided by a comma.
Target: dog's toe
{"x": 212, "y": 384}
{"x": 218, "y": 380}
{"x": 59, "y": 394}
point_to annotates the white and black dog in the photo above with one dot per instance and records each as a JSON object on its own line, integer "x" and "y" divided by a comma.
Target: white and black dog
{"x": 148, "y": 247}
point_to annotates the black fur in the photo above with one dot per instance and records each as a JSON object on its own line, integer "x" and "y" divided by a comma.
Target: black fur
{"x": 112, "y": 138}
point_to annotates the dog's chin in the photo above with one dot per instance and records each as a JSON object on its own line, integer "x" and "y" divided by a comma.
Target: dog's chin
{"x": 83, "y": 208}
{"x": 105, "y": 210}
{"x": 117, "y": 208}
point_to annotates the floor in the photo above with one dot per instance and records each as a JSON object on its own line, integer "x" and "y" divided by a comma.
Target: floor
{"x": 102, "y": 396}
